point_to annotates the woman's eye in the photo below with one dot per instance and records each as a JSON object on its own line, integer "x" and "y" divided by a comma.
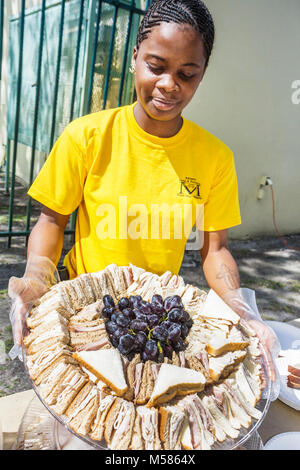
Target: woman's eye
{"x": 186, "y": 77}
{"x": 155, "y": 69}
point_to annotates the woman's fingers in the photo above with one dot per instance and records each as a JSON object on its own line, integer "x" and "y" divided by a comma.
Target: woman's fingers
{"x": 18, "y": 316}
{"x": 270, "y": 346}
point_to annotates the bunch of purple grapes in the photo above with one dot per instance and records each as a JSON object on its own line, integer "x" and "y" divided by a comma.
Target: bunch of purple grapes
{"x": 154, "y": 329}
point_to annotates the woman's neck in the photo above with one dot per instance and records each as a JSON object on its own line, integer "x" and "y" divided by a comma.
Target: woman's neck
{"x": 154, "y": 127}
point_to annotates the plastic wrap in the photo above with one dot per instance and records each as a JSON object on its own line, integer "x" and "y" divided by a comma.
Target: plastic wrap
{"x": 243, "y": 302}
{"x": 40, "y": 275}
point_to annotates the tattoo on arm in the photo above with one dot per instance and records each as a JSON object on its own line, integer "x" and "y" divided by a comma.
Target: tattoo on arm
{"x": 229, "y": 276}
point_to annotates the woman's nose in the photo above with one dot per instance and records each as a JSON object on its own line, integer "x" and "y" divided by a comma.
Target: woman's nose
{"x": 168, "y": 83}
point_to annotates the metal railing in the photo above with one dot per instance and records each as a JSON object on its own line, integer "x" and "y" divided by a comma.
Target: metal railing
{"x": 95, "y": 17}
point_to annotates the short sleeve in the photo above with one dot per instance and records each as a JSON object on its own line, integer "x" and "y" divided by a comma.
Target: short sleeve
{"x": 60, "y": 183}
{"x": 222, "y": 209}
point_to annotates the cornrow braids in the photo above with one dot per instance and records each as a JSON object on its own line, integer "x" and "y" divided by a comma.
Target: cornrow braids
{"x": 192, "y": 12}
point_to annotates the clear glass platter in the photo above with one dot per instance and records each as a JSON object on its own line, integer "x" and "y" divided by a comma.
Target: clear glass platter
{"x": 229, "y": 444}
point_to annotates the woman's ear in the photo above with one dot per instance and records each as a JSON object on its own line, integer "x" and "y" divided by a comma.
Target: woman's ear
{"x": 134, "y": 56}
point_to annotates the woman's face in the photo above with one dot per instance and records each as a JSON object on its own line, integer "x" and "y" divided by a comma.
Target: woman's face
{"x": 170, "y": 65}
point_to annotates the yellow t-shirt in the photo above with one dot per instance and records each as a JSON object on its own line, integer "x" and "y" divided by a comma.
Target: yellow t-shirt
{"x": 138, "y": 195}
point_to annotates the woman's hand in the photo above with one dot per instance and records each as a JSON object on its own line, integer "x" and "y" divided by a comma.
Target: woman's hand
{"x": 246, "y": 308}
{"x": 39, "y": 276}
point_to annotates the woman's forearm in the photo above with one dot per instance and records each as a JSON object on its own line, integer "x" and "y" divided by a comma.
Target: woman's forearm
{"x": 221, "y": 271}
{"x": 47, "y": 236}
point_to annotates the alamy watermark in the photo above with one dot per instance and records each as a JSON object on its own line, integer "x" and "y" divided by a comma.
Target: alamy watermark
{"x": 157, "y": 222}
{"x": 296, "y": 92}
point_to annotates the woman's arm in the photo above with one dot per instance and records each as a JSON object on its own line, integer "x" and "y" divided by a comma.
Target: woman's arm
{"x": 47, "y": 236}
{"x": 219, "y": 267}
{"x": 43, "y": 253}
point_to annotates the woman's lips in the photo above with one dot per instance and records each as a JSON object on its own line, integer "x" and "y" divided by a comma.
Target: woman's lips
{"x": 164, "y": 105}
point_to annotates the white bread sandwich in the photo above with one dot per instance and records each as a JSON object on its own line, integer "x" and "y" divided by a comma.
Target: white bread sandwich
{"x": 198, "y": 435}
{"x": 238, "y": 384}
{"x": 55, "y": 299}
{"x": 43, "y": 362}
{"x": 53, "y": 322}
{"x": 37, "y": 342}
{"x": 54, "y": 384}
{"x": 144, "y": 384}
{"x": 149, "y": 427}
{"x": 174, "y": 380}
{"x": 51, "y": 318}
{"x": 102, "y": 284}
{"x": 87, "y": 332}
{"x": 133, "y": 377}
{"x": 234, "y": 410}
{"x": 119, "y": 424}
{"x": 220, "y": 421}
{"x": 106, "y": 365}
{"x": 170, "y": 426}
{"x": 220, "y": 344}
{"x": 97, "y": 428}
{"x": 83, "y": 409}
{"x": 89, "y": 313}
{"x": 215, "y": 307}
{"x": 72, "y": 383}
{"x": 222, "y": 366}
{"x": 137, "y": 441}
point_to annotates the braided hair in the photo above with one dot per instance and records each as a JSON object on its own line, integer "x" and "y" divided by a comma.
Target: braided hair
{"x": 192, "y": 12}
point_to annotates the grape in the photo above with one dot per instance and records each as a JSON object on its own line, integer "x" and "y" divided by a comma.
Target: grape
{"x": 158, "y": 310}
{"x": 185, "y": 317}
{"x": 152, "y": 320}
{"x": 180, "y": 345}
{"x": 157, "y": 300}
{"x": 145, "y": 356}
{"x": 122, "y": 320}
{"x": 108, "y": 301}
{"x": 114, "y": 341}
{"x": 139, "y": 315}
{"x": 145, "y": 308}
{"x": 126, "y": 343}
{"x": 114, "y": 317}
{"x": 111, "y": 327}
{"x": 175, "y": 315}
{"x": 173, "y": 301}
{"x": 130, "y": 355}
{"x": 123, "y": 303}
{"x": 151, "y": 350}
{"x": 168, "y": 350}
{"x": 184, "y": 330}
{"x": 127, "y": 312}
{"x": 167, "y": 324}
{"x": 120, "y": 332}
{"x": 160, "y": 333}
{"x": 135, "y": 300}
{"x": 140, "y": 340}
{"x": 108, "y": 311}
{"x": 189, "y": 323}
{"x": 174, "y": 333}
{"x": 137, "y": 325}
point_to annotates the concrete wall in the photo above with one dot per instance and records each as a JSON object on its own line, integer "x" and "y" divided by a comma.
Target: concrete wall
{"x": 246, "y": 100}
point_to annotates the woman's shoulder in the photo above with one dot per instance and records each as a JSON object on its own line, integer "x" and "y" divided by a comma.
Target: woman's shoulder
{"x": 206, "y": 138}
{"x": 89, "y": 125}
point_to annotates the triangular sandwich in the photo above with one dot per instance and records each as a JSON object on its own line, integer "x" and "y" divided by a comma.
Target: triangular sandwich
{"x": 106, "y": 365}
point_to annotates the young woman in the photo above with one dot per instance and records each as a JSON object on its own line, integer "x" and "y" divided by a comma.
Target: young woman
{"x": 120, "y": 167}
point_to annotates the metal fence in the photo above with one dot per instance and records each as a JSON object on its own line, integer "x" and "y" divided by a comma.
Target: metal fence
{"x": 66, "y": 58}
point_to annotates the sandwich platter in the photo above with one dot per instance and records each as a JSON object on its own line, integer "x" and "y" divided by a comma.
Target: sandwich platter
{"x": 129, "y": 360}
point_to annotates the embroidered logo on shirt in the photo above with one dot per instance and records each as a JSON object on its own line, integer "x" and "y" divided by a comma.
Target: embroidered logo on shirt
{"x": 190, "y": 187}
